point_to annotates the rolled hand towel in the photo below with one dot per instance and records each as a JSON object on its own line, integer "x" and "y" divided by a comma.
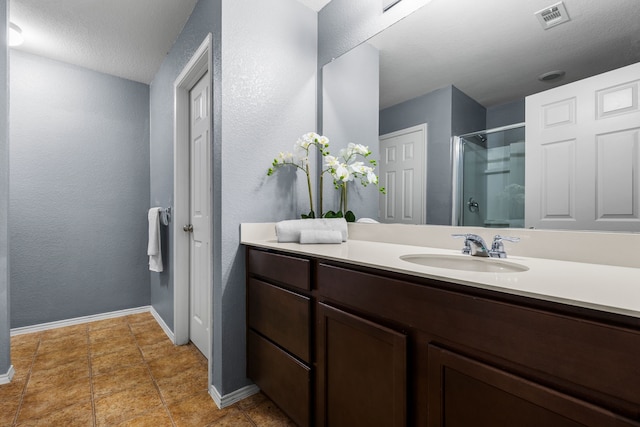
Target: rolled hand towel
{"x": 320, "y": 236}
{"x": 154, "y": 247}
{"x": 289, "y": 231}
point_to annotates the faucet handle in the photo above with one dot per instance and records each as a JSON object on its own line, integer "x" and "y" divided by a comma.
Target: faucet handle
{"x": 467, "y": 247}
{"x": 497, "y": 247}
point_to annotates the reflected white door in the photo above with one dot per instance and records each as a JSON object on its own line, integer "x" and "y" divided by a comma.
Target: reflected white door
{"x": 403, "y": 173}
{"x": 200, "y": 191}
{"x": 583, "y": 154}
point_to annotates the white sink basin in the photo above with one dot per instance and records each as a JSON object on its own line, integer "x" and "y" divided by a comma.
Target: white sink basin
{"x": 466, "y": 263}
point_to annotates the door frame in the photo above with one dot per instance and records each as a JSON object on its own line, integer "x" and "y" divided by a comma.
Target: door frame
{"x": 198, "y": 65}
{"x": 424, "y": 127}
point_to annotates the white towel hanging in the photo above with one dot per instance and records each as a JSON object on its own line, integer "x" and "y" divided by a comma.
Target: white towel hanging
{"x": 154, "y": 248}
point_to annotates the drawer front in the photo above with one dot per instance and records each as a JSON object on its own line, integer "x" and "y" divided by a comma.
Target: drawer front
{"x": 280, "y": 315}
{"x": 281, "y": 377}
{"x": 283, "y": 269}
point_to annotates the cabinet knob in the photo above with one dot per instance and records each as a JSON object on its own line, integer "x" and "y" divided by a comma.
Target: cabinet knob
{"x": 188, "y": 228}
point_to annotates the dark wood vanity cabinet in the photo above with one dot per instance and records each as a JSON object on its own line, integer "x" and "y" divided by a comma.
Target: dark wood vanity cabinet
{"x": 465, "y": 392}
{"x": 390, "y": 349}
{"x": 279, "y": 331}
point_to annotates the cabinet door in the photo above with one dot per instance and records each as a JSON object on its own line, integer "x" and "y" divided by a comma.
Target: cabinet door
{"x": 464, "y": 392}
{"x": 362, "y": 371}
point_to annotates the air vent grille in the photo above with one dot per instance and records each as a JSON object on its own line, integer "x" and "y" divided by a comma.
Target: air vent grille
{"x": 553, "y": 15}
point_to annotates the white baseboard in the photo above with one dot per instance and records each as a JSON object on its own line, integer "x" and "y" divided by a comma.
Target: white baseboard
{"x": 163, "y": 325}
{"x": 233, "y": 397}
{"x": 6, "y": 378}
{"x": 79, "y": 320}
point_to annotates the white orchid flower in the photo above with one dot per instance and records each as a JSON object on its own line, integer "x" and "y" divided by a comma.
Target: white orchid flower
{"x": 284, "y": 157}
{"x": 371, "y": 176}
{"x": 331, "y": 161}
{"x": 323, "y": 141}
{"x": 342, "y": 173}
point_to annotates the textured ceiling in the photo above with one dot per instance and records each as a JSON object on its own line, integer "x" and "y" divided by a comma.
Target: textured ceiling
{"x": 493, "y": 50}
{"x": 125, "y": 38}
{"x": 315, "y": 4}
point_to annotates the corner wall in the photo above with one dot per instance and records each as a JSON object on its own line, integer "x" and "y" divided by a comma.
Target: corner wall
{"x": 264, "y": 99}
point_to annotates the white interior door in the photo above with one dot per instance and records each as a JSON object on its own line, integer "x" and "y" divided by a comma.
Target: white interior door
{"x": 403, "y": 173}
{"x": 200, "y": 191}
{"x": 583, "y": 154}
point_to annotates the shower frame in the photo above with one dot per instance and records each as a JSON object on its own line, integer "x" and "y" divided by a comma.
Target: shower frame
{"x": 458, "y": 168}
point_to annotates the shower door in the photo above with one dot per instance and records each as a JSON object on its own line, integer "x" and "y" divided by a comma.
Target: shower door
{"x": 489, "y": 178}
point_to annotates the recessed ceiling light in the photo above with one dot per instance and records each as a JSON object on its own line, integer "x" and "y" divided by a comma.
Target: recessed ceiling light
{"x": 551, "y": 75}
{"x": 15, "y": 35}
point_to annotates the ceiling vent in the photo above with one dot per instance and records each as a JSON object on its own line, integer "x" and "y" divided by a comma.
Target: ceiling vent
{"x": 553, "y": 15}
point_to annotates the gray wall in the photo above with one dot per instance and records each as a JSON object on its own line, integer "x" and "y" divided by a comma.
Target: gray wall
{"x": 79, "y": 191}
{"x": 447, "y": 112}
{"x": 264, "y": 82}
{"x": 435, "y": 109}
{"x": 505, "y": 114}
{"x": 466, "y": 114}
{"x": 350, "y": 114}
{"x": 5, "y": 360}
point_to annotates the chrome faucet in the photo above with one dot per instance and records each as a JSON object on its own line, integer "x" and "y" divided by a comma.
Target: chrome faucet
{"x": 475, "y": 245}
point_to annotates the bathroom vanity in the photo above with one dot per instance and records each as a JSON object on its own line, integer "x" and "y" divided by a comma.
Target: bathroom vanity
{"x": 344, "y": 335}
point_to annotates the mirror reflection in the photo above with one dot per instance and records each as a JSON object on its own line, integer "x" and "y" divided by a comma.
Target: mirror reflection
{"x": 466, "y": 67}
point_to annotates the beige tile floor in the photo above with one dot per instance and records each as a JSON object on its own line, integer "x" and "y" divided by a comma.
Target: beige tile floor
{"x": 117, "y": 372}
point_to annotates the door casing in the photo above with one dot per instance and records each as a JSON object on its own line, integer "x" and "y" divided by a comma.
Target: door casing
{"x": 199, "y": 64}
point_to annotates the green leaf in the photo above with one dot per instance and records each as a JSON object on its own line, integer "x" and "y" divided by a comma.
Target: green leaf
{"x": 350, "y": 216}
{"x": 333, "y": 214}
{"x": 310, "y": 215}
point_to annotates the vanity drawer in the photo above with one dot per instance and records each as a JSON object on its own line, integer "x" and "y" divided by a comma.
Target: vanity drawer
{"x": 281, "y": 377}
{"x": 280, "y": 315}
{"x": 283, "y": 269}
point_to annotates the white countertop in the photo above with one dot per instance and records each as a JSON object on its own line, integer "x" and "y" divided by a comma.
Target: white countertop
{"x": 601, "y": 287}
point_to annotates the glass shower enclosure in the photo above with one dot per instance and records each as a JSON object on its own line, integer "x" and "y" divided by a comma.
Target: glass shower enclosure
{"x": 488, "y": 178}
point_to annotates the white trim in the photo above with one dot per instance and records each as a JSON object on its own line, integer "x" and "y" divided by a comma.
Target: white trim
{"x": 6, "y": 378}
{"x": 233, "y": 397}
{"x": 424, "y": 127}
{"x": 456, "y": 184}
{"x": 78, "y": 320}
{"x": 199, "y": 64}
{"x": 162, "y": 324}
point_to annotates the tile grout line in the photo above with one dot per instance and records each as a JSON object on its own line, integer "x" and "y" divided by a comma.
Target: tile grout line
{"x": 93, "y": 398}
{"x": 26, "y": 382}
{"x": 153, "y": 379}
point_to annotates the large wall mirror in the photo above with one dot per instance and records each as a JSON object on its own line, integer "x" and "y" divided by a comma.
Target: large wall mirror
{"x": 469, "y": 65}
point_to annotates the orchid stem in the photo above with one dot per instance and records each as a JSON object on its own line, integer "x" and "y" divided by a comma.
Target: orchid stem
{"x": 309, "y": 187}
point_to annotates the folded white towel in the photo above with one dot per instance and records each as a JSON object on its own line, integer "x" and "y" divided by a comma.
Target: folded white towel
{"x": 154, "y": 247}
{"x": 320, "y": 236}
{"x": 368, "y": 221}
{"x": 289, "y": 231}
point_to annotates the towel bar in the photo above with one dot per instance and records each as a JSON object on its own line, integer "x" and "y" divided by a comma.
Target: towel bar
{"x": 165, "y": 215}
